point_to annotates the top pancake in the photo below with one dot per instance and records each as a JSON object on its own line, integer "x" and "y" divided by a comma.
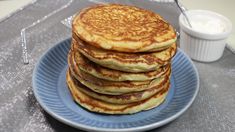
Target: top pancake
{"x": 123, "y": 28}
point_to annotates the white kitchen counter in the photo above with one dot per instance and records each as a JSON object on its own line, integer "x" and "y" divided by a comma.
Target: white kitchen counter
{"x": 10, "y": 6}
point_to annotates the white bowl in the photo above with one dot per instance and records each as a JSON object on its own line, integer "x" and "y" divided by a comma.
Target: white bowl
{"x": 206, "y": 44}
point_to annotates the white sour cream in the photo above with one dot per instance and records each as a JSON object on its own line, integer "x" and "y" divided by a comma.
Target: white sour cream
{"x": 207, "y": 24}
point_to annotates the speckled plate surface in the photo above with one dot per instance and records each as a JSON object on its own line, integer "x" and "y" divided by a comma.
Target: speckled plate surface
{"x": 50, "y": 90}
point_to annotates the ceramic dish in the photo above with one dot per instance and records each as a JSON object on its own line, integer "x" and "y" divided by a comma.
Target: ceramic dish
{"x": 50, "y": 90}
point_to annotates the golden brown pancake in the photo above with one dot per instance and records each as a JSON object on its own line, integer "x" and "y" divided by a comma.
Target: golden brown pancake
{"x": 99, "y": 106}
{"x": 80, "y": 61}
{"x": 138, "y": 62}
{"x": 123, "y": 28}
{"x": 123, "y": 98}
{"x": 113, "y": 87}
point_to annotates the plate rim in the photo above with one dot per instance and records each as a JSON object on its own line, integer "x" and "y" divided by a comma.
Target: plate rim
{"x": 87, "y": 127}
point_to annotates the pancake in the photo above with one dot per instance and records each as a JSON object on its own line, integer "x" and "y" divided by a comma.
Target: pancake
{"x": 123, "y": 98}
{"x": 123, "y": 28}
{"x": 113, "y": 87}
{"x": 98, "y": 71}
{"x": 138, "y": 62}
{"x": 99, "y": 106}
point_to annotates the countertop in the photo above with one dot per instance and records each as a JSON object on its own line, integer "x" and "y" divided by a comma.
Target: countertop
{"x": 8, "y": 7}
{"x": 213, "y": 109}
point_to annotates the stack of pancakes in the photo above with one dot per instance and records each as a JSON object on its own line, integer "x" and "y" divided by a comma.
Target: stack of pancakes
{"x": 120, "y": 59}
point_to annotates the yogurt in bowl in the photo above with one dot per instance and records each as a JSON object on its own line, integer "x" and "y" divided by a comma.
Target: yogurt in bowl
{"x": 207, "y": 24}
{"x": 206, "y": 40}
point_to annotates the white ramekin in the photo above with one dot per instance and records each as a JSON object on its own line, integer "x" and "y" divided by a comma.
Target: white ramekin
{"x": 201, "y": 46}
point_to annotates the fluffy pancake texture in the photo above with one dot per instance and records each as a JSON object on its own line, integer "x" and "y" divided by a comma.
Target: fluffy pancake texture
{"x": 123, "y": 28}
{"x": 114, "y": 87}
{"x": 120, "y": 59}
{"x": 122, "y": 98}
{"x": 84, "y": 64}
{"x": 99, "y": 106}
{"x": 138, "y": 62}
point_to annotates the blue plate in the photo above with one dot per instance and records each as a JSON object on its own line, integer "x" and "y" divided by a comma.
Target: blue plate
{"x": 50, "y": 89}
